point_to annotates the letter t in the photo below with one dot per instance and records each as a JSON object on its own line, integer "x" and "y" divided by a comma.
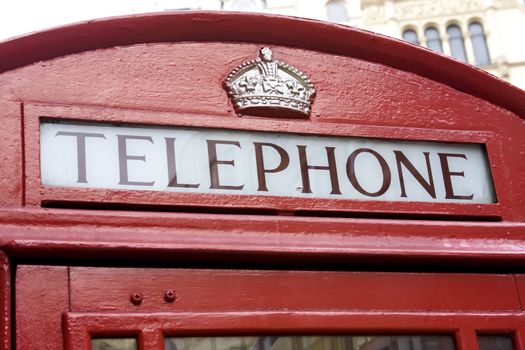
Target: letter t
{"x": 81, "y": 151}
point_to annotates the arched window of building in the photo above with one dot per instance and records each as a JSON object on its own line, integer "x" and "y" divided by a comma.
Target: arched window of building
{"x": 410, "y": 35}
{"x": 244, "y": 5}
{"x": 433, "y": 39}
{"x": 456, "y": 43}
{"x": 479, "y": 44}
{"x": 336, "y": 11}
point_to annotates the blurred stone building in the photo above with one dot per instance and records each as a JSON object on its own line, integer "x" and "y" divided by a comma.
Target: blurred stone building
{"x": 487, "y": 33}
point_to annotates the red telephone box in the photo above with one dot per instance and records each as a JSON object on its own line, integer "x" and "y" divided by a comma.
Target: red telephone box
{"x": 218, "y": 181}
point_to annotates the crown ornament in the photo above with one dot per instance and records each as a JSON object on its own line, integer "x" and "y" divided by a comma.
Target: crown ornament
{"x": 264, "y": 86}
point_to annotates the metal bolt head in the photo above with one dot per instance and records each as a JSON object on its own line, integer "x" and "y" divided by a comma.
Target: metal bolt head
{"x": 169, "y": 296}
{"x": 136, "y": 298}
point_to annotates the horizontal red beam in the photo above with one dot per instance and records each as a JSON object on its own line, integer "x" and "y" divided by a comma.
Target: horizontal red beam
{"x": 149, "y": 236}
{"x": 230, "y": 290}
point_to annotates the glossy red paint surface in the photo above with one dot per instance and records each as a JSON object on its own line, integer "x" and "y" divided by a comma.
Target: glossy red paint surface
{"x": 520, "y": 282}
{"x": 227, "y": 290}
{"x": 11, "y": 169}
{"x": 42, "y": 295}
{"x": 260, "y": 29}
{"x": 201, "y": 237}
{"x": 251, "y": 302}
{"x": 169, "y": 70}
{"x": 5, "y": 303}
{"x": 169, "y": 82}
{"x": 151, "y": 328}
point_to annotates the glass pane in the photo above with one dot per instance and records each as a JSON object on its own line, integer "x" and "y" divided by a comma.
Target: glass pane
{"x": 479, "y": 44}
{"x": 244, "y": 5}
{"x": 370, "y": 342}
{"x": 336, "y": 11}
{"x": 114, "y": 344}
{"x": 455, "y": 40}
{"x": 410, "y": 36}
{"x": 476, "y": 29}
{"x": 495, "y": 342}
{"x": 433, "y": 39}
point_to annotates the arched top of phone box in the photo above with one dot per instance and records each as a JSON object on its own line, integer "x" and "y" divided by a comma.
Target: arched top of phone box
{"x": 173, "y": 69}
{"x": 382, "y": 61}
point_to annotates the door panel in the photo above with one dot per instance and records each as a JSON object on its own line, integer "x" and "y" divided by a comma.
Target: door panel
{"x": 145, "y": 309}
{"x": 152, "y": 329}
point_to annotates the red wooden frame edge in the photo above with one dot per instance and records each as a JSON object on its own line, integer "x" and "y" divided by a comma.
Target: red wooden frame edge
{"x": 5, "y": 303}
{"x": 79, "y": 327}
{"x": 36, "y": 194}
{"x": 187, "y": 237}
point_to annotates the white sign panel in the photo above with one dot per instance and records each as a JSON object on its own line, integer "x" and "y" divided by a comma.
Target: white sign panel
{"x": 199, "y": 160}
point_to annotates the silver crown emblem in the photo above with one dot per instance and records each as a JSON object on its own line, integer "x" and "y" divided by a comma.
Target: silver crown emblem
{"x": 262, "y": 85}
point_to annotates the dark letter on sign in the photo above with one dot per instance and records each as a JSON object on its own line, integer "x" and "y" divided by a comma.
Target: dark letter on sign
{"x": 331, "y": 168}
{"x": 81, "y": 151}
{"x": 447, "y": 175}
{"x": 350, "y": 171}
{"x": 214, "y": 164}
{"x": 123, "y": 158}
{"x": 172, "y": 165}
{"x": 428, "y": 186}
{"x": 259, "y": 160}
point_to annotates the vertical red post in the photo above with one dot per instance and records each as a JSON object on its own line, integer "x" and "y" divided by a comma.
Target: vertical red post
{"x": 5, "y": 303}
{"x": 39, "y": 317}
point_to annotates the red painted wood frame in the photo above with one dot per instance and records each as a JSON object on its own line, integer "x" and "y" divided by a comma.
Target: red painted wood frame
{"x": 483, "y": 110}
{"x": 150, "y": 329}
{"x": 390, "y": 89}
{"x": 36, "y": 194}
{"x": 95, "y": 302}
{"x": 5, "y": 303}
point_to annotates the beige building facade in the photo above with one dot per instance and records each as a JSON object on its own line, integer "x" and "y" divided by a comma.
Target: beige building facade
{"x": 486, "y": 33}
